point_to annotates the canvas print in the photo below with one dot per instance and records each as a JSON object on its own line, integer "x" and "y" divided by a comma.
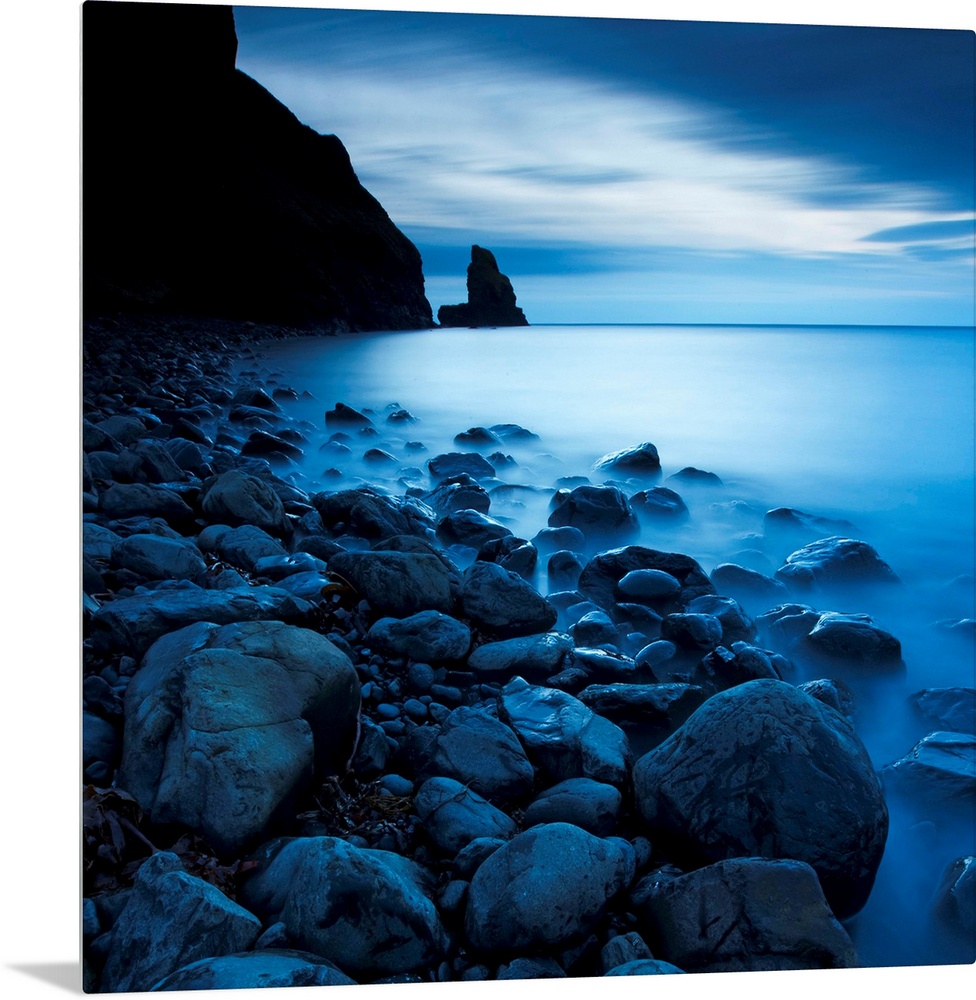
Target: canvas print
{"x": 527, "y": 497}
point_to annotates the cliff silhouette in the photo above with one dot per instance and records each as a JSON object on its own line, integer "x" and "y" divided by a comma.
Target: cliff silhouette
{"x": 203, "y": 195}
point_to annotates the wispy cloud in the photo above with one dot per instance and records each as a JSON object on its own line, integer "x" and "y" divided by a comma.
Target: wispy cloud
{"x": 486, "y": 146}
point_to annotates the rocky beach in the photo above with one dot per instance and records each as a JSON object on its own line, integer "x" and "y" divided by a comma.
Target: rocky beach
{"x": 370, "y": 734}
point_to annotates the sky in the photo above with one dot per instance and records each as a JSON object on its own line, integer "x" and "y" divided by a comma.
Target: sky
{"x": 629, "y": 170}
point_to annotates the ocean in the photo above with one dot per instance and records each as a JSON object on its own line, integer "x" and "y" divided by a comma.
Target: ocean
{"x": 871, "y": 425}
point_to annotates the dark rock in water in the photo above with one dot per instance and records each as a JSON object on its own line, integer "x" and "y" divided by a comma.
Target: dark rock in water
{"x": 398, "y": 584}
{"x": 724, "y": 668}
{"x": 513, "y": 433}
{"x": 955, "y": 899}
{"x": 549, "y": 540}
{"x": 236, "y": 498}
{"x": 512, "y": 553}
{"x": 534, "y": 656}
{"x": 692, "y": 631}
{"x": 471, "y": 528}
{"x": 786, "y": 526}
{"x": 764, "y": 770}
{"x": 379, "y": 458}
{"x": 644, "y": 967}
{"x": 748, "y": 586}
{"x": 372, "y": 515}
{"x": 642, "y": 462}
{"x": 562, "y": 736}
{"x": 953, "y": 709}
{"x": 547, "y": 887}
{"x": 427, "y": 635}
{"x": 453, "y": 815}
{"x": 854, "y": 641}
{"x": 477, "y": 437}
{"x": 602, "y": 574}
{"x": 737, "y": 626}
{"x": 747, "y": 915}
{"x": 317, "y": 887}
{"x": 264, "y": 445}
{"x": 456, "y": 463}
{"x": 224, "y": 725}
{"x": 583, "y": 802}
{"x": 265, "y": 967}
{"x": 170, "y": 920}
{"x": 650, "y": 585}
{"x": 659, "y": 503}
{"x": 595, "y": 628}
{"x": 446, "y": 498}
{"x": 831, "y": 692}
{"x": 491, "y": 299}
{"x": 602, "y": 513}
{"x": 214, "y": 199}
{"x": 834, "y": 563}
{"x": 563, "y": 570}
{"x": 939, "y": 769}
{"x": 663, "y": 706}
{"x": 502, "y": 604}
{"x": 343, "y": 416}
{"x": 483, "y": 753}
{"x": 787, "y": 625}
{"x": 695, "y": 477}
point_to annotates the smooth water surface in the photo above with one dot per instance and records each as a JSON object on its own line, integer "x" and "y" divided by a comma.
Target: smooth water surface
{"x": 872, "y": 425}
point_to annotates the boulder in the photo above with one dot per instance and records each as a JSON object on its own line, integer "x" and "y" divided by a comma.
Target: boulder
{"x": 939, "y": 770}
{"x": 834, "y": 563}
{"x": 274, "y": 968}
{"x": 534, "y": 656}
{"x": 453, "y": 815}
{"x": 583, "y": 802}
{"x": 370, "y": 514}
{"x": 546, "y": 888}
{"x": 853, "y": 641}
{"x": 429, "y": 636}
{"x": 236, "y": 498}
{"x": 455, "y": 463}
{"x": 659, "y": 504}
{"x": 748, "y": 586}
{"x": 471, "y": 528}
{"x": 224, "y": 726}
{"x": 746, "y": 915}
{"x": 602, "y": 574}
{"x": 602, "y": 513}
{"x": 502, "y": 604}
{"x": 952, "y": 708}
{"x": 125, "y": 500}
{"x": 158, "y": 558}
{"x": 170, "y": 920}
{"x": 640, "y": 462}
{"x": 397, "y": 584}
{"x": 764, "y": 770}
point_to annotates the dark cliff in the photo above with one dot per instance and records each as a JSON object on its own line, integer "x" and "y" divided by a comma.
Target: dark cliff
{"x": 203, "y": 195}
{"x": 491, "y": 298}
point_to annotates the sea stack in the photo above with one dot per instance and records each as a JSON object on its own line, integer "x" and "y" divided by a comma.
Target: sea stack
{"x": 491, "y": 298}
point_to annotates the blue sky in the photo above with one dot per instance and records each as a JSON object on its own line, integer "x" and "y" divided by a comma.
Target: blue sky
{"x": 653, "y": 170}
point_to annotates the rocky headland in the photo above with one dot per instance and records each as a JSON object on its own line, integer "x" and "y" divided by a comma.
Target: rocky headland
{"x": 491, "y": 298}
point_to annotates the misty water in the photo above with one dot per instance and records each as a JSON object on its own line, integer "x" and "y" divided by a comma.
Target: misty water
{"x": 874, "y": 426}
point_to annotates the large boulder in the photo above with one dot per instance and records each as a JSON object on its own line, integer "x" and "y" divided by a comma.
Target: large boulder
{"x": 453, "y": 815}
{"x": 834, "y": 563}
{"x": 640, "y": 462}
{"x": 368, "y": 911}
{"x": 170, "y": 920}
{"x": 398, "y": 584}
{"x": 502, "y": 604}
{"x": 939, "y": 770}
{"x": 370, "y": 514}
{"x": 429, "y": 636}
{"x": 237, "y": 498}
{"x": 765, "y": 770}
{"x": 534, "y": 656}
{"x": 156, "y": 557}
{"x": 746, "y": 915}
{"x": 602, "y": 513}
{"x": 224, "y": 726}
{"x": 602, "y": 574}
{"x": 275, "y": 968}
{"x": 546, "y": 888}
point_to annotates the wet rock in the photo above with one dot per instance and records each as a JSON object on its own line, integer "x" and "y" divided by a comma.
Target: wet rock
{"x": 246, "y": 546}
{"x": 641, "y": 462}
{"x": 170, "y": 920}
{"x": 737, "y": 626}
{"x": 765, "y": 770}
{"x": 264, "y": 968}
{"x": 397, "y": 584}
{"x": 939, "y": 769}
{"x": 952, "y": 709}
{"x": 831, "y": 692}
{"x": 457, "y": 463}
{"x": 373, "y": 515}
{"x": 132, "y": 624}
{"x": 602, "y": 574}
{"x": 368, "y": 911}
{"x": 562, "y": 736}
{"x": 427, "y": 636}
{"x": 602, "y": 513}
{"x": 477, "y": 437}
{"x": 530, "y": 968}
{"x": 747, "y": 915}
{"x": 550, "y": 540}
{"x": 645, "y": 967}
{"x": 854, "y": 641}
{"x": 692, "y": 631}
{"x": 261, "y": 444}
{"x": 159, "y": 558}
{"x": 747, "y": 586}
{"x": 955, "y": 898}
{"x": 343, "y": 416}
{"x": 502, "y": 604}
{"x": 585, "y": 803}
{"x": 595, "y": 628}
{"x": 471, "y": 528}
{"x": 659, "y": 504}
{"x": 650, "y": 585}
{"x": 533, "y": 656}
{"x": 622, "y": 949}
{"x": 545, "y": 888}
{"x": 483, "y": 753}
{"x": 236, "y": 498}
{"x": 834, "y": 563}
{"x": 132, "y": 499}
{"x": 786, "y": 526}
{"x": 454, "y": 815}
{"x": 663, "y": 706}
{"x": 448, "y": 497}
{"x": 724, "y": 668}
{"x": 563, "y": 570}
{"x": 695, "y": 477}
{"x": 225, "y": 725}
